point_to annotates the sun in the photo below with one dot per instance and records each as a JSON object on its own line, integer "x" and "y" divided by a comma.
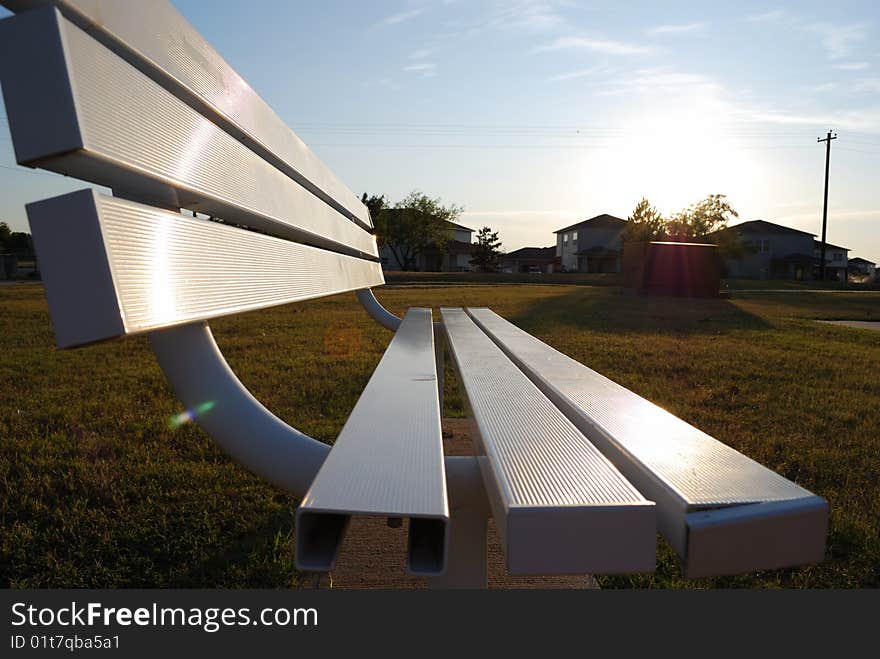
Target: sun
{"x": 673, "y": 156}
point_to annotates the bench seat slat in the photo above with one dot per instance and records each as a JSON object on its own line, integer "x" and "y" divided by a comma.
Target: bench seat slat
{"x": 561, "y": 507}
{"x": 687, "y": 472}
{"x": 77, "y": 108}
{"x": 388, "y": 459}
{"x": 155, "y": 38}
{"x": 113, "y": 267}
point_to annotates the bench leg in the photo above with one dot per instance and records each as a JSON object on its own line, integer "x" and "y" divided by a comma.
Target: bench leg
{"x": 378, "y": 313}
{"x": 468, "y": 519}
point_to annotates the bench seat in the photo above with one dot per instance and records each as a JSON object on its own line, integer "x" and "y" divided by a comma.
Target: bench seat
{"x": 387, "y": 461}
{"x": 560, "y": 506}
{"x": 721, "y": 511}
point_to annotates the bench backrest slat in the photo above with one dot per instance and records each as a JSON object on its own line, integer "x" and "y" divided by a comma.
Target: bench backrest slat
{"x": 113, "y": 267}
{"x": 77, "y": 108}
{"x": 153, "y": 36}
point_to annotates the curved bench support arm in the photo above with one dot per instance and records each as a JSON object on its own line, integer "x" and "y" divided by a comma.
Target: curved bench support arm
{"x": 218, "y": 401}
{"x": 379, "y": 313}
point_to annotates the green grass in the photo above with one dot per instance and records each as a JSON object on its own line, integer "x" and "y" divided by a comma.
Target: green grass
{"x": 394, "y": 278}
{"x": 97, "y": 490}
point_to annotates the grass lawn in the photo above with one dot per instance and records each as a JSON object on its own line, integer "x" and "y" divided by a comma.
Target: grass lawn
{"x": 97, "y": 489}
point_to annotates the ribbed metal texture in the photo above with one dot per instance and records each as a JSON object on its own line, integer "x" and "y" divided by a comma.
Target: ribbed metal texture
{"x": 129, "y": 121}
{"x": 538, "y": 456}
{"x": 388, "y": 459}
{"x": 169, "y": 269}
{"x": 697, "y": 468}
{"x": 162, "y": 42}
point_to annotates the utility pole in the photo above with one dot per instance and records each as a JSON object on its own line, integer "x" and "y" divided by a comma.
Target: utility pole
{"x": 827, "y": 141}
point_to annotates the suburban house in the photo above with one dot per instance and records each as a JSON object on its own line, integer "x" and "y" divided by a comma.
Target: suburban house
{"x": 455, "y": 256}
{"x": 592, "y": 245}
{"x": 530, "y": 259}
{"x": 835, "y": 260}
{"x": 774, "y": 251}
{"x": 860, "y": 267}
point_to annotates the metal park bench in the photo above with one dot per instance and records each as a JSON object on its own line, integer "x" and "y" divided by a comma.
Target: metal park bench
{"x": 578, "y": 472}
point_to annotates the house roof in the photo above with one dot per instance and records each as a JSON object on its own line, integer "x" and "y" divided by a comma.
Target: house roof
{"x": 603, "y": 221}
{"x": 459, "y": 226}
{"x": 817, "y": 244}
{"x": 762, "y": 226}
{"x": 859, "y": 259}
{"x": 452, "y": 225}
{"x": 532, "y": 253}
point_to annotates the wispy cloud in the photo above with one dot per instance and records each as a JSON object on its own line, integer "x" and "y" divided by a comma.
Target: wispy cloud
{"x": 839, "y": 40}
{"x": 676, "y": 29}
{"x": 604, "y": 46}
{"x": 582, "y": 73}
{"x": 868, "y": 86}
{"x": 528, "y": 15}
{"x": 660, "y": 80}
{"x": 422, "y": 53}
{"x": 862, "y": 121}
{"x": 851, "y": 66}
{"x": 401, "y": 17}
{"x": 771, "y": 16}
{"x": 426, "y": 69}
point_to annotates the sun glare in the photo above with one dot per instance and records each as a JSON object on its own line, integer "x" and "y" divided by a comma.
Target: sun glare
{"x": 673, "y": 157}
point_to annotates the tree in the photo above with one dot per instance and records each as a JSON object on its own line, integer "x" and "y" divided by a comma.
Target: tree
{"x": 413, "y": 225}
{"x": 487, "y": 250}
{"x": 374, "y": 204}
{"x": 698, "y": 220}
{"x": 644, "y": 224}
{"x": 17, "y": 242}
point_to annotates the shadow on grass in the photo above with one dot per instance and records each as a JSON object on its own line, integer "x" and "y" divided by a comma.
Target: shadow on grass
{"x": 618, "y": 310}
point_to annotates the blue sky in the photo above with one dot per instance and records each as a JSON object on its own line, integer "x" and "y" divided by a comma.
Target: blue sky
{"x": 535, "y": 113}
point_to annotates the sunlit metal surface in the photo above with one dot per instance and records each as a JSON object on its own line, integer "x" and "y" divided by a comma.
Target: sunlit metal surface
{"x": 388, "y": 459}
{"x": 680, "y": 467}
{"x": 77, "y": 108}
{"x": 155, "y": 38}
{"x": 561, "y": 507}
{"x": 114, "y": 267}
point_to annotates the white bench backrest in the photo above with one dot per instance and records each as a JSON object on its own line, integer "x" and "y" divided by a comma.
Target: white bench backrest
{"x": 161, "y": 118}
{"x": 153, "y": 37}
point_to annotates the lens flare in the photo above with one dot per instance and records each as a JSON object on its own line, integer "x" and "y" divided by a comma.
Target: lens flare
{"x": 189, "y": 415}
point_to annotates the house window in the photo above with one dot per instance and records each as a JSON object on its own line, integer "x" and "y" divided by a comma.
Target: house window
{"x": 564, "y": 238}
{"x": 574, "y": 236}
{"x": 838, "y": 257}
{"x": 765, "y": 245}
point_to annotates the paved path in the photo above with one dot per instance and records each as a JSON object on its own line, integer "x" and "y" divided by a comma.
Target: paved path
{"x": 860, "y": 324}
{"x": 373, "y": 555}
{"x": 733, "y": 291}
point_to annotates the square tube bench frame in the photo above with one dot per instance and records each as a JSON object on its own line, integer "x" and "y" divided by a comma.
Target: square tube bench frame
{"x": 102, "y": 91}
{"x": 722, "y": 512}
{"x": 387, "y": 460}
